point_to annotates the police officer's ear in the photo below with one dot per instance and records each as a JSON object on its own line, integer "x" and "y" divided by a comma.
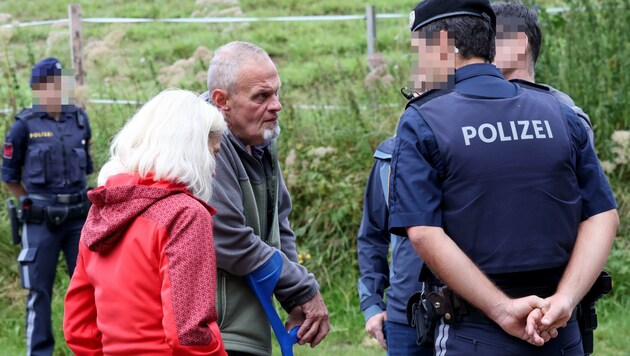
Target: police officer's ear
{"x": 523, "y": 41}
{"x": 220, "y": 99}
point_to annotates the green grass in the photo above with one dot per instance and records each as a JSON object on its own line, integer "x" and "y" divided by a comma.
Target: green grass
{"x": 609, "y": 338}
{"x": 320, "y": 63}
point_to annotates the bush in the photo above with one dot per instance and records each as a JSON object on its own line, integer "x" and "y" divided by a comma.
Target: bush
{"x": 585, "y": 53}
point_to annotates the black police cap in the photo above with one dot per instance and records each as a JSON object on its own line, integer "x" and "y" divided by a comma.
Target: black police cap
{"x": 47, "y": 67}
{"x": 428, "y": 11}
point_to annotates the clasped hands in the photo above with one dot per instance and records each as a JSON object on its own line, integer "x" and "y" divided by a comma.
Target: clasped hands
{"x": 534, "y": 319}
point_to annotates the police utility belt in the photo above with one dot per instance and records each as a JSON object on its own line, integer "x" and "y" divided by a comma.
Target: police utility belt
{"x": 437, "y": 301}
{"x": 448, "y": 305}
{"x": 54, "y": 209}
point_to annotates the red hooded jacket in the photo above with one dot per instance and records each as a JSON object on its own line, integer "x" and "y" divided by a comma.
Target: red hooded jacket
{"x": 145, "y": 280}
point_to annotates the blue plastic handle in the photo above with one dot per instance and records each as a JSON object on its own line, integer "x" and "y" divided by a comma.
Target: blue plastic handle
{"x": 263, "y": 281}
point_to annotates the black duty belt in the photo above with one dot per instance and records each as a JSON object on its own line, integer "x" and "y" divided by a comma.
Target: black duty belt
{"x": 453, "y": 308}
{"x": 37, "y": 208}
{"x": 60, "y": 198}
{"x": 57, "y": 215}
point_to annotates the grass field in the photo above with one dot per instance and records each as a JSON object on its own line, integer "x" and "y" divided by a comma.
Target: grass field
{"x": 320, "y": 63}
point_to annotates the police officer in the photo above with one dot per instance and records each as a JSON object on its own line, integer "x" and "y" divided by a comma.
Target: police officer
{"x": 501, "y": 194}
{"x": 46, "y": 160}
{"x": 519, "y": 38}
{"x": 386, "y": 318}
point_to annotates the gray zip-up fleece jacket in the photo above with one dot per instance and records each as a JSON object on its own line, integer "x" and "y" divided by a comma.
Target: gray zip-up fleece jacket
{"x": 251, "y": 223}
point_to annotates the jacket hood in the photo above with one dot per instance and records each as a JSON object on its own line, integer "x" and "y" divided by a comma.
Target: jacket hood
{"x": 118, "y": 203}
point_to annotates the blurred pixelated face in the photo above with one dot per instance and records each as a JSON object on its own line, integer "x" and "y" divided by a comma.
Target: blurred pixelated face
{"x": 436, "y": 60}
{"x": 254, "y": 107}
{"x": 53, "y": 92}
{"x": 511, "y": 44}
{"x": 47, "y": 94}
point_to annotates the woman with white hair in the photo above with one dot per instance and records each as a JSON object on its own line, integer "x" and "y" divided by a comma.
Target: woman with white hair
{"x": 145, "y": 280}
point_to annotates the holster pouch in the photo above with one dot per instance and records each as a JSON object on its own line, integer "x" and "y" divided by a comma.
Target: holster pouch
{"x": 586, "y": 313}
{"x": 447, "y": 304}
{"x": 57, "y": 215}
{"x": 16, "y": 224}
{"x": 32, "y": 212}
{"x": 411, "y": 304}
{"x": 420, "y": 313}
{"x": 421, "y": 318}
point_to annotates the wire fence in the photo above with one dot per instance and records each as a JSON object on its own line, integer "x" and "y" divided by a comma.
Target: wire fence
{"x": 553, "y": 10}
{"x": 223, "y": 20}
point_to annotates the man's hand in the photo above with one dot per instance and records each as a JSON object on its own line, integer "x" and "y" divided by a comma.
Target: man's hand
{"x": 296, "y": 318}
{"x": 554, "y": 314}
{"x": 517, "y": 317}
{"x": 374, "y": 327}
{"x": 312, "y": 317}
{"x": 535, "y": 330}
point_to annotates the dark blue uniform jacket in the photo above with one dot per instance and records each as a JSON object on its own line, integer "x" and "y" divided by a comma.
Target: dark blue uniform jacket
{"x": 507, "y": 172}
{"x": 400, "y": 276}
{"x": 48, "y": 156}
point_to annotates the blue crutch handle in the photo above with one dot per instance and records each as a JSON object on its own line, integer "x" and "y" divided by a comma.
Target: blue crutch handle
{"x": 263, "y": 281}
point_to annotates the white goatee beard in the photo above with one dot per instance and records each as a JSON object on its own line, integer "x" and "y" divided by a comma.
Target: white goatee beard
{"x": 272, "y": 133}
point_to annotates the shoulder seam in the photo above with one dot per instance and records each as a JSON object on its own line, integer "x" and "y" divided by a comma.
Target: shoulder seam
{"x": 427, "y": 96}
{"x": 24, "y": 114}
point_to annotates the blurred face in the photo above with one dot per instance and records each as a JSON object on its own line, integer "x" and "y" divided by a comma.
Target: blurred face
{"x": 47, "y": 95}
{"x": 511, "y": 44}
{"x": 54, "y": 92}
{"x": 436, "y": 60}
{"x": 252, "y": 112}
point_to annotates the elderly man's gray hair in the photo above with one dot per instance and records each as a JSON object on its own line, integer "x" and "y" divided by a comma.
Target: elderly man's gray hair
{"x": 226, "y": 64}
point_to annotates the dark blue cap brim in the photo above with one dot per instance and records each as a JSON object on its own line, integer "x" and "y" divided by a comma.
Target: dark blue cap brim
{"x": 450, "y": 14}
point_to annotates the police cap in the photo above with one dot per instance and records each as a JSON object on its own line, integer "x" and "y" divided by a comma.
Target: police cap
{"x": 45, "y": 68}
{"x": 428, "y": 11}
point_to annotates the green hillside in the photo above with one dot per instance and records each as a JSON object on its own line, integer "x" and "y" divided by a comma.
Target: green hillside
{"x": 336, "y": 110}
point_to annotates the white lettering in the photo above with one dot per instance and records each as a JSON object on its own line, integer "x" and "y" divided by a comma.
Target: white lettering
{"x": 514, "y": 131}
{"x": 502, "y": 136}
{"x": 538, "y": 129}
{"x": 549, "y": 133}
{"x": 524, "y": 135}
{"x": 517, "y": 130}
{"x": 483, "y": 137}
{"x": 469, "y": 132}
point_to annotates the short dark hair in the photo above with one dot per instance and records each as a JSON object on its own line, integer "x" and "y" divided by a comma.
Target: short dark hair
{"x": 532, "y": 28}
{"x": 474, "y": 36}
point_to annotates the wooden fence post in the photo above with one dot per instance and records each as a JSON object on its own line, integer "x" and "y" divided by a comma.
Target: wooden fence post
{"x": 76, "y": 46}
{"x": 370, "y": 17}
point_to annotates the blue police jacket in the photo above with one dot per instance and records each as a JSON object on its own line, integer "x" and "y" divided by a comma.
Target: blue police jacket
{"x": 48, "y": 156}
{"x": 400, "y": 276}
{"x": 507, "y": 172}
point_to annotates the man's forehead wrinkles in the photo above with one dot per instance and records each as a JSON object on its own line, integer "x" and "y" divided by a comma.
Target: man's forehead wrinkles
{"x": 253, "y": 83}
{"x": 263, "y": 87}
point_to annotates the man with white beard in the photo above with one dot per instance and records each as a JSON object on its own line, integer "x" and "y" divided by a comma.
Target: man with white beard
{"x": 253, "y": 205}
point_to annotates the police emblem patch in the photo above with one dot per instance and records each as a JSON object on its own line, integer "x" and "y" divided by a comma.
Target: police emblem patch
{"x": 412, "y": 19}
{"x": 8, "y": 150}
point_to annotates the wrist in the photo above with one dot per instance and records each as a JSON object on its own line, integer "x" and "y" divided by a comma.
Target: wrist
{"x": 371, "y": 311}
{"x": 569, "y": 298}
{"x": 498, "y": 310}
